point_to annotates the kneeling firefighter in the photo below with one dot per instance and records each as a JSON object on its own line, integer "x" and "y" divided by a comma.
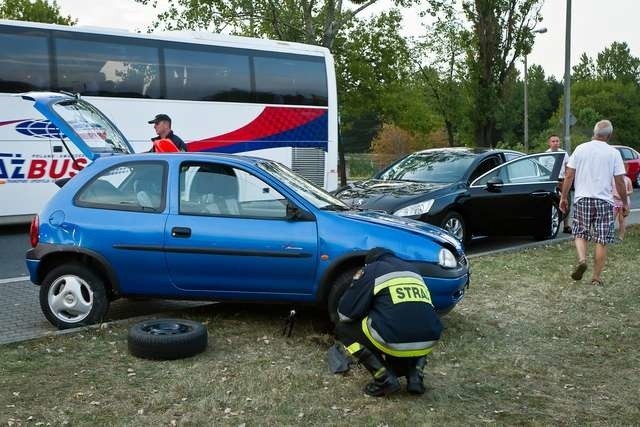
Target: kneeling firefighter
{"x": 388, "y": 323}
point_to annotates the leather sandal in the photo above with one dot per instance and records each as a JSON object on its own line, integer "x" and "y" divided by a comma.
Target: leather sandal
{"x": 579, "y": 270}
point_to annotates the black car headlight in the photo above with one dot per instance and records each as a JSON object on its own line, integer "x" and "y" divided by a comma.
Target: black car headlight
{"x": 446, "y": 259}
{"x": 416, "y": 209}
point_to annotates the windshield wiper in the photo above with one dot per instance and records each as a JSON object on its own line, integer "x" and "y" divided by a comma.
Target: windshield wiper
{"x": 335, "y": 207}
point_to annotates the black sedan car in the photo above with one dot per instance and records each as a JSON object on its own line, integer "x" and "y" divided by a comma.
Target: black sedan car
{"x": 468, "y": 191}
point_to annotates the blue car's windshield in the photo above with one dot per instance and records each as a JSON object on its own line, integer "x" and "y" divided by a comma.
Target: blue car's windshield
{"x": 444, "y": 166}
{"x": 317, "y": 196}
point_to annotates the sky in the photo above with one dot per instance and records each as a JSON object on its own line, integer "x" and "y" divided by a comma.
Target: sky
{"x": 595, "y": 24}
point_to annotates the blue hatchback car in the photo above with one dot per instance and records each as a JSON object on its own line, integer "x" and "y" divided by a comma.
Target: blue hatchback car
{"x": 206, "y": 226}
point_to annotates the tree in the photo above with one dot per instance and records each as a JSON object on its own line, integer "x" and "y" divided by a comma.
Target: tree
{"x": 34, "y": 10}
{"x": 309, "y": 21}
{"x": 501, "y": 32}
{"x": 584, "y": 69}
{"x": 443, "y": 53}
{"x": 373, "y": 66}
{"x": 616, "y": 63}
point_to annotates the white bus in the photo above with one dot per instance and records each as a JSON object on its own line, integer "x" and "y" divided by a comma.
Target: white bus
{"x": 223, "y": 93}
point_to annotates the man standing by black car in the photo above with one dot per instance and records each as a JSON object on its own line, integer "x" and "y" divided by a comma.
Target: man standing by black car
{"x": 387, "y": 321}
{"x": 162, "y": 126}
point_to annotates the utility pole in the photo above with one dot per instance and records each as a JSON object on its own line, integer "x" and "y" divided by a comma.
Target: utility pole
{"x": 567, "y": 81}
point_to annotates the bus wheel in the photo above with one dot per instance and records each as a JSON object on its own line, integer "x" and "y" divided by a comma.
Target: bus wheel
{"x": 72, "y": 295}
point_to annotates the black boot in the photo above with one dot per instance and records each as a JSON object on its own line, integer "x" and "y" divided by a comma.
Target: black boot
{"x": 415, "y": 377}
{"x": 384, "y": 380}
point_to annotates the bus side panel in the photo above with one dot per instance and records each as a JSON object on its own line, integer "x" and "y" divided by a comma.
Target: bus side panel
{"x": 29, "y": 163}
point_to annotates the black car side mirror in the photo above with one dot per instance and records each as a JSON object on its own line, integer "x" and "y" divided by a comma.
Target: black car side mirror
{"x": 294, "y": 213}
{"x": 494, "y": 184}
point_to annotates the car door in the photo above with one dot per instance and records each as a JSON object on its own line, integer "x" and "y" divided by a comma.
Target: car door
{"x": 234, "y": 236}
{"x": 120, "y": 214}
{"x": 518, "y": 197}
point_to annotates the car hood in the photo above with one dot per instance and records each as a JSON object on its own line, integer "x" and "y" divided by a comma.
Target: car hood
{"x": 84, "y": 131}
{"x": 388, "y": 195}
{"x": 434, "y": 233}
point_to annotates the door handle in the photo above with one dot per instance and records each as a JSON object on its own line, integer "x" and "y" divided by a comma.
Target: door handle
{"x": 540, "y": 194}
{"x": 180, "y": 232}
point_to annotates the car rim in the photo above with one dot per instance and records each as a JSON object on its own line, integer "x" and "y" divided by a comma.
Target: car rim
{"x": 638, "y": 179}
{"x": 70, "y": 298}
{"x": 555, "y": 220}
{"x": 454, "y": 226}
{"x": 165, "y": 328}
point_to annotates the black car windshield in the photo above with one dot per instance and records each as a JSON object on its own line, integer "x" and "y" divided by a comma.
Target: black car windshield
{"x": 317, "y": 196}
{"x": 436, "y": 166}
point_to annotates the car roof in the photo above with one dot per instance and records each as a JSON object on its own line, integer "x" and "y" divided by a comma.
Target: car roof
{"x": 186, "y": 156}
{"x": 470, "y": 150}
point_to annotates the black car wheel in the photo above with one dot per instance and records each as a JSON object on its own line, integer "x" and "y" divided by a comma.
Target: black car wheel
{"x": 167, "y": 339}
{"x": 72, "y": 295}
{"x": 340, "y": 285}
{"x": 637, "y": 183}
{"x": 454, "y": 223}
{"x": 554, "y": 224}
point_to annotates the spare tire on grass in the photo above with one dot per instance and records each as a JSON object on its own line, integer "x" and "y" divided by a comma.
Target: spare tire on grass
{"x": 167, "y": 339}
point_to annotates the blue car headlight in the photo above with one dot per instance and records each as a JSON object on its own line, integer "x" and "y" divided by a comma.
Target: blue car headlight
{"x": 416, "y": 209}
{"x": 446, "y": 259}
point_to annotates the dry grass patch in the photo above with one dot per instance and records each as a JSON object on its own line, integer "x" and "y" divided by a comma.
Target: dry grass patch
{"x": 527, "y": 346}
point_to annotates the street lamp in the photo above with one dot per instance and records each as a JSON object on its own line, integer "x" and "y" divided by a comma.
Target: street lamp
{"x": 526, "y": 96}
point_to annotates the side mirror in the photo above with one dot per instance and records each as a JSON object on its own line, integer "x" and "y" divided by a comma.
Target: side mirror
{"x": 494, "y": 184}
{"x": 294, "y": 213}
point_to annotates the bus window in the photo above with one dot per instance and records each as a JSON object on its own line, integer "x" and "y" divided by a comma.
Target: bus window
{"x": 24, "y": 63}
{"x": 284, "y": 80}
{"x": 108, "y": 69}
{"x": 207, "y": 76}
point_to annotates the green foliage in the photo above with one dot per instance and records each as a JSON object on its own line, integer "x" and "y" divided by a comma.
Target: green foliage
{"x": 374, "y": 82}
{"x": 544, "y": 97}
{"x": 616, "y": 63}
{"x": 441, "y": 66}
{"x": 501, "y": 32}
{"x": 34, "y": 10}
{"x": 584, "y": 70}
{"x": 605, "y": 89}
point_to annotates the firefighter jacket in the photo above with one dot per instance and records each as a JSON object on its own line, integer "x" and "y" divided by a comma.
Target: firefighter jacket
{"x": 393, "y": 304}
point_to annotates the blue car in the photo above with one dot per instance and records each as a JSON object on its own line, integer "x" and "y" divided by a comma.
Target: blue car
{"x": 206, "y": 226}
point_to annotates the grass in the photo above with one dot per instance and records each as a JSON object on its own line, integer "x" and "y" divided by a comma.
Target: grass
{"x": 528, "y": 346}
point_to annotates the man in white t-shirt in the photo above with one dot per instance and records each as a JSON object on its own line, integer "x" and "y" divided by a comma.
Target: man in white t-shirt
{"x": 593, "y": 165}
{"x": 554, "y": 146}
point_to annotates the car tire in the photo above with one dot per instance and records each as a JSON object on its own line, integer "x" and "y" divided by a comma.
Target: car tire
{"x": 340, "y": 285}
{"x": 556, "y": 222}
{"x": 636, "y": 183}
{"x": 72, "y": 295}
{"x": 455, "y": 224}
{"x": 167, "y": 339}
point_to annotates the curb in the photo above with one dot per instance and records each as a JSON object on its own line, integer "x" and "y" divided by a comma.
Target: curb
{"x": 523, "y": 247}
{"x": 103, "y": 325}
